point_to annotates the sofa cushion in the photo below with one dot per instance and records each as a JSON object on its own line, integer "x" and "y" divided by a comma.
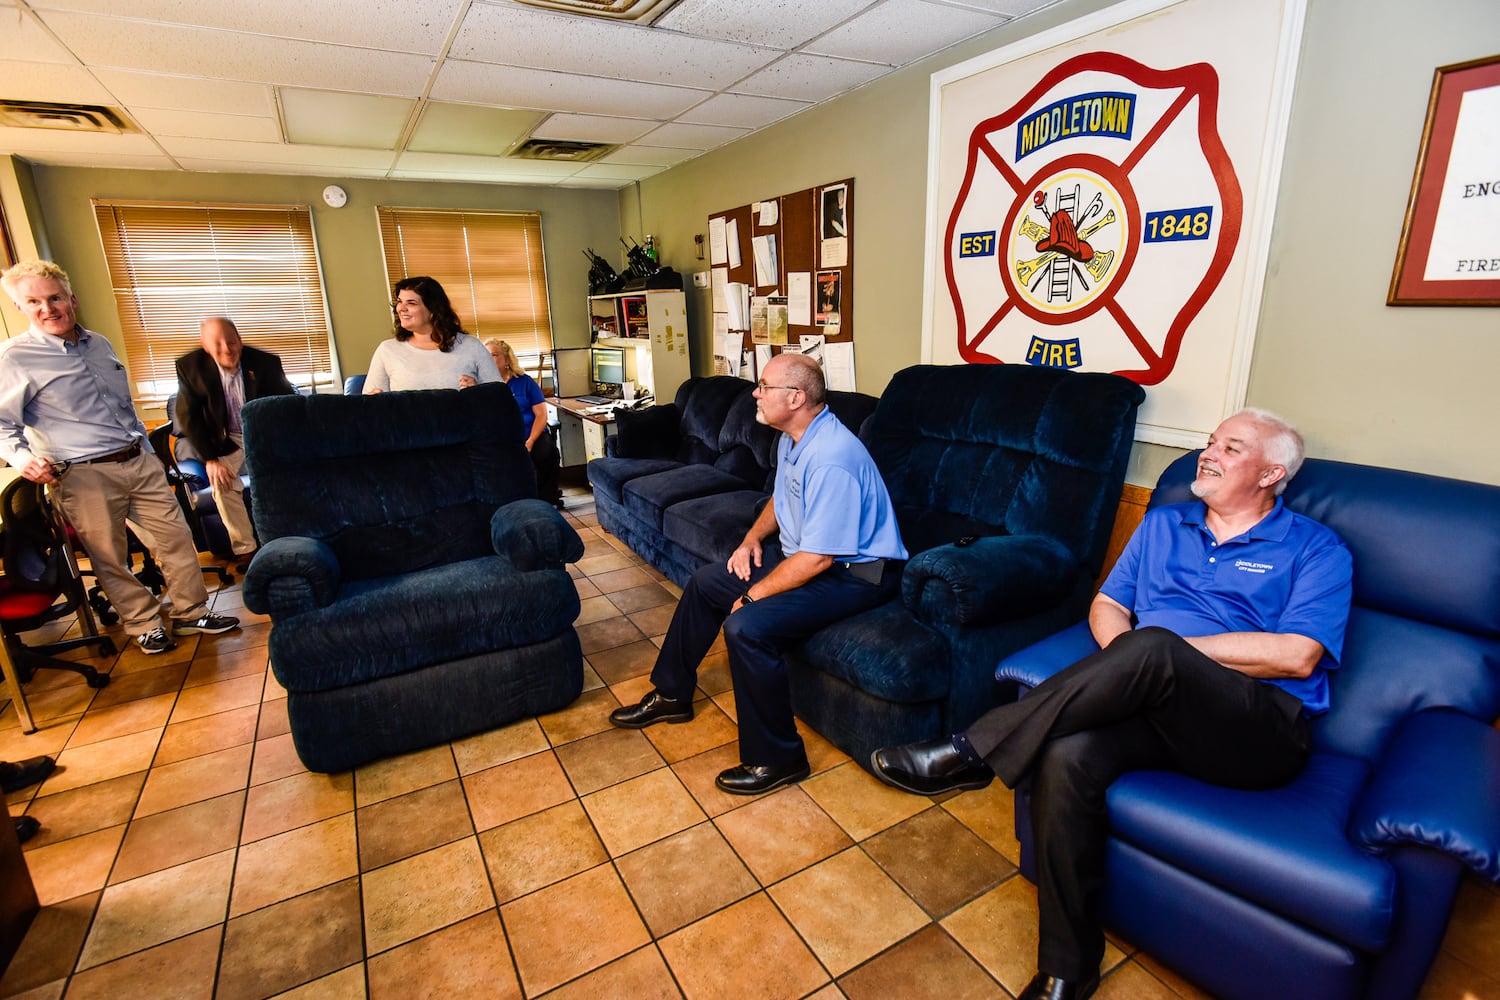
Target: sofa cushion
{"x": 1284, "y": 848}
{"x": 609, "y": 475}
{"x": 704, "y": 411}
{"x": 886, "y": 653}
{"x": 711, "y": 527}
{"x": 648, "y": 497}
{"x": 398, "y": 631}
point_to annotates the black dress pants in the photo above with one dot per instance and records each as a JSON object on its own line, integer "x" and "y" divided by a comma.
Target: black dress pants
{"x": 1149, "y": 701}
{"x": 546, "y": 461}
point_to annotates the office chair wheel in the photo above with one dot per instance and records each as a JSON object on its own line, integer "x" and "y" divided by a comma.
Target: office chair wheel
{"x": 97, "y": 680}
{"x": 107, "y": 648}
{"x": 103, "y": 610}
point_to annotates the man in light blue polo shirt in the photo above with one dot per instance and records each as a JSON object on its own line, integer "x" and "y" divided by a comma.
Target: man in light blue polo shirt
{"x": 1217, "y": 628}
{"x": 833, "y": 558}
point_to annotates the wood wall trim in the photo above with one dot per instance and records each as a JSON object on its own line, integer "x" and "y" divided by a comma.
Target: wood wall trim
{"x": 1132, "y": 508}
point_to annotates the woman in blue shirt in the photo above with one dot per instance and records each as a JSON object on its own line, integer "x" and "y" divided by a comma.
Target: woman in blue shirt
{"x": 544, "y": 456}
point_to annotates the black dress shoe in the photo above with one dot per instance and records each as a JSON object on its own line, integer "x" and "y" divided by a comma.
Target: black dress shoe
{"x": 14, "y": 777}
{"x": 26, "y": 827}
{"x": 928, "y": 768}
{"x": 1045, "y": 987}
{"x": 753, "y": 779}
{"x": 655, "y": 707}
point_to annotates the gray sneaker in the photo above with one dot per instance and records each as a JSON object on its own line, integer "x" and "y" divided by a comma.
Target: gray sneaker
{"x": 208, "y": 624}
{"x": 155, "y": 641}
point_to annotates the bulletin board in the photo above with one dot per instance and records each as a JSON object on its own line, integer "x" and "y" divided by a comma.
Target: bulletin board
{"x": 812, "y": 282}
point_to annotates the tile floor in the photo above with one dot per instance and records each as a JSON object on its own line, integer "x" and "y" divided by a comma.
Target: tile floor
{"x": 185, "y": 852}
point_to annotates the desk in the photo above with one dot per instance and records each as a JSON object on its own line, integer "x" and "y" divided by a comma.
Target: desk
{"x": 580, "y": 435}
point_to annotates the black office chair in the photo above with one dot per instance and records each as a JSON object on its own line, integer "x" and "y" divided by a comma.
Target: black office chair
{"x": 41, "y": 585}
{"x": 189, "y": 499}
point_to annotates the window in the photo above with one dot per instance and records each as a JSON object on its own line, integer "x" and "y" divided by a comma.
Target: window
{"x": 489, "y": 263}
{"x": 172, "y": 265}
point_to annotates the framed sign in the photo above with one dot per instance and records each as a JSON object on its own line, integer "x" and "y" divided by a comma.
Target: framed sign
{"x": 1450, "y": 243}
{"x": 1100, "y": 197}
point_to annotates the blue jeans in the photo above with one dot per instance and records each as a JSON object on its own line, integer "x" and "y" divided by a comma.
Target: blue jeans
{"x": 756, "y": 638}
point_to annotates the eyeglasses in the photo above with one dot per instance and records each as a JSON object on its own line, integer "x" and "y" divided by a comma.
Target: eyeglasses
{"x": 763, "y": 387}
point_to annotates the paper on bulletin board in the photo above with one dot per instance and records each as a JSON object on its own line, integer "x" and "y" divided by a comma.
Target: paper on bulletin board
{"x": 811, "y": 344}
{"x": 760, "y": 331}
{"x": 838, "y": 366}
{"x": 762, "y": 356}
{"x": 799, "y": 297}
{"x": 768, "y": 211}
{"x": 747, "y": 366}
{"x": 718, "y": 252}
{"x": 738, "y": 295}
{"x": 776, "y": 318}
{"x": 727, "y": 353}
{"x": 732, "y": 237}
{"x": 764, "y": 248}
{"x": 719, "y": 281}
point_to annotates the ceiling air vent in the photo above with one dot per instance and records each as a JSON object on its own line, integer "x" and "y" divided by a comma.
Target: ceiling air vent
{"x": 67, "y": 117}
{"x": 641, "y": 11}
{"x": 565, "y": 150}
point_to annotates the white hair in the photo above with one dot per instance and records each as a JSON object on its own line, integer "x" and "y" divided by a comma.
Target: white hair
{"x": 1282, "y": 446}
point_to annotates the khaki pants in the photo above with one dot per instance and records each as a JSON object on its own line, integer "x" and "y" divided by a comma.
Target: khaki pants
{"x": 96, "y": 500}
{"x": 231, "y": 501}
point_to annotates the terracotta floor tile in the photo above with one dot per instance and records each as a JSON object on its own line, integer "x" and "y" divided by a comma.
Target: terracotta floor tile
{"x": 49, "y": 738}
{"x": 592, "y": 566}
{"x": 610, "y": 757}
{"x": 591, "y": 679}
{"x": 632, "y": 577}
{"x": 847, "y": 909}
{"x": 594, "y": 546}
{"x": 1474, "y": 929}
{"x": 273, "y": 720}
{"x": 500, "y": 794}
{"x": 1131, "y": 982}
{"x": 631, "y": 691}
{"x": 248, "y": 635}
{"x": 1472, "y": 977}
{"x": 634, "y": 659}
{"x": 595, "y": 609}
{"x": 940, "y": 862}
{"x": 292, "y": 942}
{"x": 725, "y": 701}
{"x": 781, "y": 833}
{"x": 346, "y": 984}
{"x": 641, "y": 597}
{"x": 585, "y": 717}
{"x": 860, "y": 803}
{"x": 990, "y": 812}
{"x": 79, "y": 766}
{"x": 51, "y": 945}
{"x": 645, "y": 809}
{"x": 640, "y": 975}
{"x": 412, "y": 823}
{"x": 608, "y": 634}
{"x": 167, "y": 839}
{"x": 195, "y": 779}
{"x": 394, "y": 776}
{"x": 821, "y": 754}
{"x": 211, "y": 699}
{"x": 178, "y": 970}
{"x": 294, "y": 801}
{"x": 540, "y": 849}
{"x": 586, "y": 588}
{"x": 59, "y": 702}
{"x": 50, "y": 991}
{"x": 713, "y": 674}
{"x": 469, "y": 959}
{"x": 698, "y": 774}
{"x": 84, "y": 810}
{"x": 410, "y": 898}
{"x": 73, "y": 867}
{"x": 685, "y": 877}
{"x": 929, "y": 965}
{"x": 710, "y": 728}
{"x": 222, "y": 666}
{"x": 275, "y": 758}
{"x": 273, "y": 690}
{"x": 291, "y": 863}
{"x": 591, "y": 911}
{"x": 155, "y": 908}
{"x": 208, "y": 734}
{"x": 122, "y": 720}
{"x": 144, "y": 684}
{"x": 499, "y": 746}
{"x": 746, "y": 951}
{"x": 653, "y": 621}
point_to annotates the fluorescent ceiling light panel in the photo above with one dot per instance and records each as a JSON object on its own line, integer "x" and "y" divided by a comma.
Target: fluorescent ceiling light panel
{"x": 327, "y": 118}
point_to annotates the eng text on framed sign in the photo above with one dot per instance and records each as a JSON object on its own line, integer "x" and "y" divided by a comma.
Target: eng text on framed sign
{"x": 1450, "y": 244}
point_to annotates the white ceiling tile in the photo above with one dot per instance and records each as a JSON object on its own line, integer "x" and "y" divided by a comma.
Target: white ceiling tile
{"x": 742, "y": 110}
{"x": 381, "y": 24}
{"x": 118, "y": 44}
{"x": 219, "y": 166}
{"x": 101, "y": 161}
{"x": 207, "y": 126}
{"x": 490, "y": 166}
{"x": 178, "y": 93}
{"x": 27, "y": 81}
{"x": 592, "y": 183}
{"x": 325, "y": 118}
{"x": 810, "y": 78}
{"x": 618, "y": 171}
{"x": 470, "y": 128}
{"x": 593, "y": 128}
{"x": 1010, "y": 8}
{"x": 481, "y": 83}
{"x": 687, "y": 136}
{"x": 23, "y": 38}
{"x": 900, "y": 31}
{"x": 784, "y": 24}
{"x": 662, "y": 156}
{"x": 25, "y": 141}
{"x": 319, "y": 157}
{"x": 582, "y": 45}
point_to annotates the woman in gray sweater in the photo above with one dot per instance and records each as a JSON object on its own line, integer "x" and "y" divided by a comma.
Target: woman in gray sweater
{"x": 430, "y": 349}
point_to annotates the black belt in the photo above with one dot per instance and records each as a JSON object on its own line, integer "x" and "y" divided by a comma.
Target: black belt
{"x": 123, "y": 455}
{"x": 869, "y": 572}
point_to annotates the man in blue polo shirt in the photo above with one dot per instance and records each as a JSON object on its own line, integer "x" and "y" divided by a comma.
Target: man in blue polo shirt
{"x": 1217, "y": 628}
{"x": 837, "y": 534}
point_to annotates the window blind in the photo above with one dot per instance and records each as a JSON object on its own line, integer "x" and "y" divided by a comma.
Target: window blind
{"x": 172, "y": 265}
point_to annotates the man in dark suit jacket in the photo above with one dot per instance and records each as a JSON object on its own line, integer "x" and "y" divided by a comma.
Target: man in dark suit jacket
{"x": 214, "y": 382}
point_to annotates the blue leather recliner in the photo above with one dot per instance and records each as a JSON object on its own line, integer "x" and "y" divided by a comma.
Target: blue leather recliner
{"x": 1339, "y": 884}
{"x": 416, "y": 588}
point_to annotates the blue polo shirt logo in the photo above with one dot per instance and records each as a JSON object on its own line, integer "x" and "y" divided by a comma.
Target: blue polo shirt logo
{"x": 1250, "y": 566}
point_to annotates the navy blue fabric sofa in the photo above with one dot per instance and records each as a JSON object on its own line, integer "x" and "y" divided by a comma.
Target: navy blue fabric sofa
{"x": 416, "y": 588}
{"x": 1339, "y": 884}
{"x": 1023, "y": 466}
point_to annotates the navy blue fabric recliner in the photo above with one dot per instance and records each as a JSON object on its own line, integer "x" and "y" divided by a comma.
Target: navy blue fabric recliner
{"x": 416, "y": 588}
{"x": 1338, "y": 885}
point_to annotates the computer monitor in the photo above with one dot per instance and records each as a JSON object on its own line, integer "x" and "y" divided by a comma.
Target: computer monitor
{"x": 609, "y": 370}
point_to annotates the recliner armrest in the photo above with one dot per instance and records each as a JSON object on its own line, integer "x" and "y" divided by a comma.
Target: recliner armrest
{"x": 291, "y": 575}
{"x": 655, "y": 432}
{"x": 532, "y": 535}
{"x": 994, "y": 579}
{"x": 1034, "y": 664}
{"x": 1438, "y": 785}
